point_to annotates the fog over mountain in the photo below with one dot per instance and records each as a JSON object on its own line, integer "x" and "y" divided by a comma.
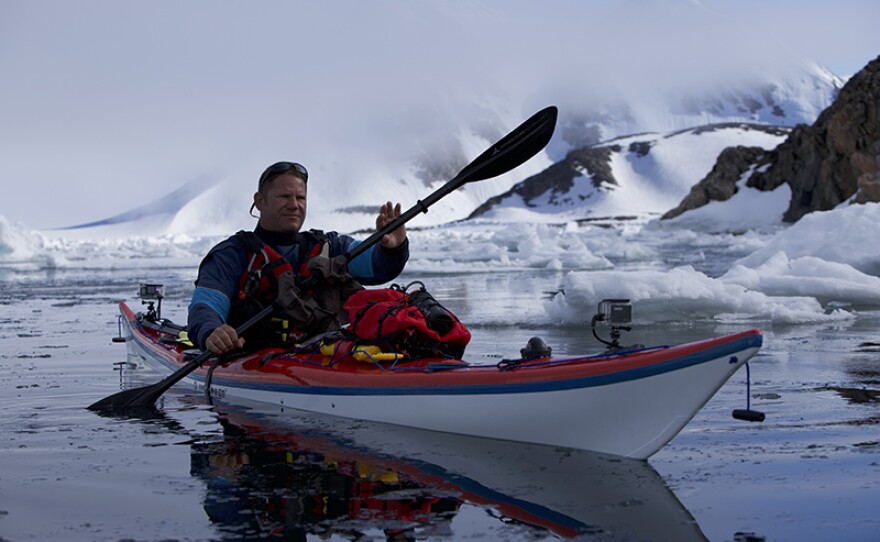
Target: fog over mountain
{"x": 127, "y": 103}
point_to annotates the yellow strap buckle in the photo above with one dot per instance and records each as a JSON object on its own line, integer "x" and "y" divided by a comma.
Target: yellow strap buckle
{"x": 364, "y": 352}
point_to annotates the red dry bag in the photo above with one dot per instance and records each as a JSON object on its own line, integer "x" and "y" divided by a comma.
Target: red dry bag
{"x": 413, "y": 323}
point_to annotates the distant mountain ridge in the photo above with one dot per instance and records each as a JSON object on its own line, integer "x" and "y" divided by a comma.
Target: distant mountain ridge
{"x": 167, "y": 205}
{"x": 797, "y": 97}
{"x": 834, "y": 160}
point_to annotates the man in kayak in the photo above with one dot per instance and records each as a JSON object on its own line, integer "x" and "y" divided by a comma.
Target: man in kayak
{"x": 251, "y": 269}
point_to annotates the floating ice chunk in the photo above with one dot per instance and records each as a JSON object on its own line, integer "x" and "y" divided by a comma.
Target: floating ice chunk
{"x": 808, "y": 276}
{"x": 17, "y": 243}
{"x": 682, "y": 294}
{"x": 500, "y": 246}
{"x": 847, "y": 235}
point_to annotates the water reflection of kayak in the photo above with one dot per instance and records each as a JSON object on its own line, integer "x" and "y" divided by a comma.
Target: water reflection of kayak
{"x": 290, "y": 474}
{"x": 622, "y": 402}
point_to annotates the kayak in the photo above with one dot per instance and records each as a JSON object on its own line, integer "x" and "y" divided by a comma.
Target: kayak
{"x": 625, "y": 402}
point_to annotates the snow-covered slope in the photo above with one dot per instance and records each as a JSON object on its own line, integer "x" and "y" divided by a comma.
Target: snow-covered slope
{"x": 641, "y": 174}
{"x": 345, "y": 195}
{"x": 163, "y": 208}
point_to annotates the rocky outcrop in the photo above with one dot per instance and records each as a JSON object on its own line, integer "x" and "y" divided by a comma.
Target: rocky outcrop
{"x": 835, "y": 160}
{"x": 720, "y": 183}
{"x": 558, "y": 179}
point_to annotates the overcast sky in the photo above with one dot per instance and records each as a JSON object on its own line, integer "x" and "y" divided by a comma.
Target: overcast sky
{"x": 840, "y": 35}
{"x": 106, "y": 104}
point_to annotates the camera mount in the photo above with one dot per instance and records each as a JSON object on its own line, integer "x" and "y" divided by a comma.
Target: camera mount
{"x": 617, "y": 315}
{"x": 151, "y": 295}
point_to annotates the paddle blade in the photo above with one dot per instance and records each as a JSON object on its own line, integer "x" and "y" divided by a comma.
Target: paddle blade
{"x": 143, "y": 397}
{"x": 146, "y": 396}
{"x": 511, "y": 151}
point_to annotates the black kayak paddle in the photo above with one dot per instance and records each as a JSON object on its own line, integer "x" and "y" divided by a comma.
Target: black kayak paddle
{"x": 524, "y": 142}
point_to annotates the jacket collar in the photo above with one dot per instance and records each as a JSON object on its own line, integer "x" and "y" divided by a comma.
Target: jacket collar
{"x": 275, "y": 239}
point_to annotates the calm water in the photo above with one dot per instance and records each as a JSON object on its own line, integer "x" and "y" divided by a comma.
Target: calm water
{"x": 199, "y": 471}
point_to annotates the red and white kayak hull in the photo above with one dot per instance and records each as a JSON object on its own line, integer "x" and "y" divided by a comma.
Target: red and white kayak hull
{"x": 629, "y": 404}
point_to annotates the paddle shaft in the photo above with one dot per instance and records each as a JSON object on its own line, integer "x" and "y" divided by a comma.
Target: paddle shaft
{"x": 509, "y": 152}
{"x": 522, "y": 143}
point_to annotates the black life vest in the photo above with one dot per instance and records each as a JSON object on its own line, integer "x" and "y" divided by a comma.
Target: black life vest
{"x": 259, "y": 286}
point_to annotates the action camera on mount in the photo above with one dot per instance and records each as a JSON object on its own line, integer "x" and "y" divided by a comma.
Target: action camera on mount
{"x": 151, "y": 295}
{"x": 616, "y": 314}
{"x": 151, "y": 291}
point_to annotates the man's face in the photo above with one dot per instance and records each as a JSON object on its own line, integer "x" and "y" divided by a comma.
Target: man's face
{"x": 282, "y": 205}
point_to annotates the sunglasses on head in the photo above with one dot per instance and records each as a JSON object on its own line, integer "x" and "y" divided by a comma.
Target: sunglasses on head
{"x": 283, "y": 167}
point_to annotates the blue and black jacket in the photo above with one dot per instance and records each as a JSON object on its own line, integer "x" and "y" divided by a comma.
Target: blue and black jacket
{"x": 221, "y": 271}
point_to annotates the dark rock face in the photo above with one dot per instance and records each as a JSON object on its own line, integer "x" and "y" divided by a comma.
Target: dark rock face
{"x": 837, "y": 159}
{"x": 559, "y": 178}
{"x": 720, "y": 183}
